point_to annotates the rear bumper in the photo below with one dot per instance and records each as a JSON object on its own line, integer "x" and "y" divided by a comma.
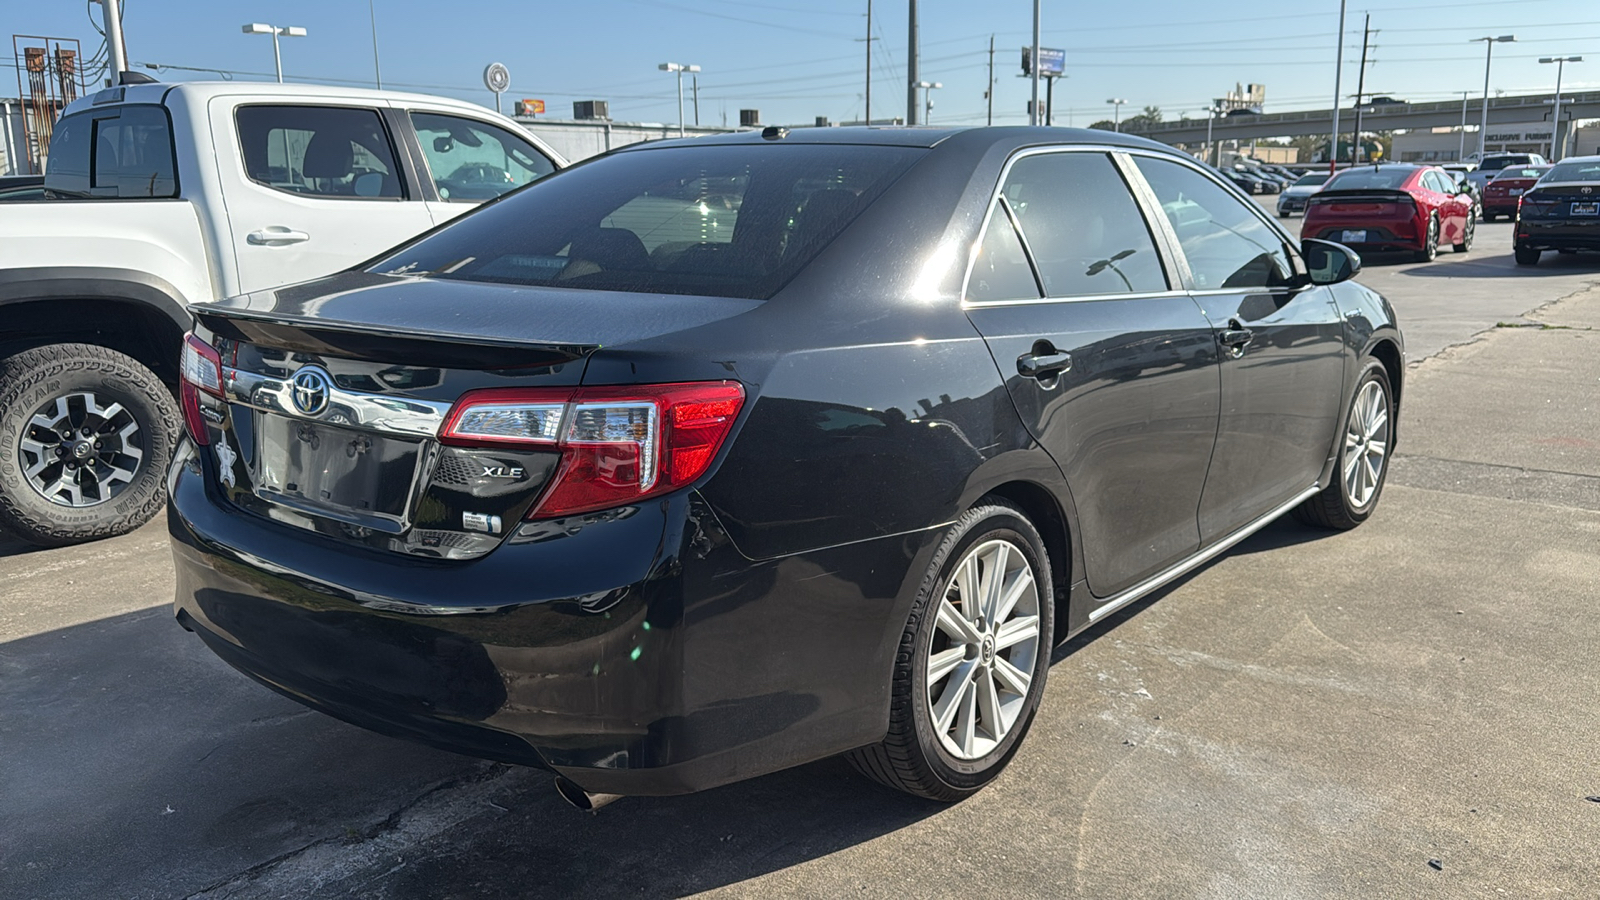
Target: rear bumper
{"x": 1500, "y": 208}
{"x": 1388, "y": 235}
{"x": 1563, "y": 234}
{"x": 635, "y": 653}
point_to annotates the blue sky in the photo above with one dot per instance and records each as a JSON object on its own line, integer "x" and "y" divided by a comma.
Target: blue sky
{"x": 797, "y": 59}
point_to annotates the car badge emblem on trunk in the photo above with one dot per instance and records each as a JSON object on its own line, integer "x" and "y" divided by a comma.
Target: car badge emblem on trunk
{"x": 1588, "y": 190}
{"x": 309, "y": 390}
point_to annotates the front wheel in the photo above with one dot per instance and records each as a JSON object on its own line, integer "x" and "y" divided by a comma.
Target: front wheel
{"x": 1363, "y": 461}
{"x": 972, "y": 661}
{"x": 1526, "y": 256}
{"x": 85, "y": 437}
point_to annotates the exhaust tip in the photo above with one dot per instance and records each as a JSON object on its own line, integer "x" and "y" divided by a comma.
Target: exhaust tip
{"x": 580, "y": 798}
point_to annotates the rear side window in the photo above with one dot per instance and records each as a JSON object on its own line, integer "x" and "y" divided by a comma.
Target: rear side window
{"x": 1002, "y": 270}
{"x": 1575, "y": 171}
{"x": 1226, "y": 243}
{"x": 319, "y": 151}
{"x": 1082, "y": 225}
{"x": 725, "y": 221}
{"x": 120, "y": 152}
{"x": 472, "y": 161}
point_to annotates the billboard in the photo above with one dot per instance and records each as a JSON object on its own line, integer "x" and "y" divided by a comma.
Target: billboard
{"x": 1052, "y": 62}
{"x": 530, "y": 107}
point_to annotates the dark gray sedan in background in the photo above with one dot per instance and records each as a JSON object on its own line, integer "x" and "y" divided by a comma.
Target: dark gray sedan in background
{"x": 708, "y": 458}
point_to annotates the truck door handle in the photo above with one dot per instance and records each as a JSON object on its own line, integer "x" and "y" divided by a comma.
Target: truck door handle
{"x": 1235, "y": 338}
{"x": 276, "y": 234}
{"x": 1044, "y": 362}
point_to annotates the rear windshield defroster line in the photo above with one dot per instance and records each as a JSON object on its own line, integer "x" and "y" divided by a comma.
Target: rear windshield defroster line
{"x": 720, "y": 221}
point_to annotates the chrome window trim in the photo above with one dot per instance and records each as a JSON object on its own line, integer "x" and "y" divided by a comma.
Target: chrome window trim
{"x": 1168, "y": 263}
{"x": 374, "y": 412}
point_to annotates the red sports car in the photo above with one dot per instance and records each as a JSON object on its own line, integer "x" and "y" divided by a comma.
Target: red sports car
{"x": 1392, "y": 207}
{"x": 1505, "y": 189}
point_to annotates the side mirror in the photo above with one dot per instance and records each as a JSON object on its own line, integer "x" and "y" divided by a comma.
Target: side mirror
{"x": 1328, "y": 262}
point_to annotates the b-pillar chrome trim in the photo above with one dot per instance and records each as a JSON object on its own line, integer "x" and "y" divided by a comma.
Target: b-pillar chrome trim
{"x": 1199, "y": 559}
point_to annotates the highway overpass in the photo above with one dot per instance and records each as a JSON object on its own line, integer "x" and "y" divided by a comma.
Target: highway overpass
{"x": 1516, "y": 110}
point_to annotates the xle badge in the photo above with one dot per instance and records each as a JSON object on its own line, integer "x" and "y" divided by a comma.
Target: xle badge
{"x": 471, "y": 521}
{"x": 502, "y": 472}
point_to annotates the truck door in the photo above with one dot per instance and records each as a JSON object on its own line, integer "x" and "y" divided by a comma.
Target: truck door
{"x": 310, "y": 189}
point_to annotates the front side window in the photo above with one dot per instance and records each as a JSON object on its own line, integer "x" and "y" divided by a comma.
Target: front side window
{"x": 1226, "y": 244}
{"x": 1083, "y": 226}
{"x": 472, "y": 161}
{"x": 319, "y": 151}
{"x": 119, "y": 152}
{"x": 723, "y": 221}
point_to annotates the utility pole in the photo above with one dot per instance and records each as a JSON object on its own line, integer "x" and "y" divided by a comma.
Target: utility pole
{"x": 1033, "y": 108}
{"x": 696, "y": 89}
{"x": 1361, "y": 84}
{"x": 869, "y": 62}
{"x": 1558, "y": 141}
{"x": 912, "y": 77}
{"x": 988, "y": 93}
{"x": 116, "y": 54}
{"x": 1338, "y": 73}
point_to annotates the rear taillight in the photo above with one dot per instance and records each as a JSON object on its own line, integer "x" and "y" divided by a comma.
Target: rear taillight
{"x": 618, "y": 445}
{"x": 200, "y": 371}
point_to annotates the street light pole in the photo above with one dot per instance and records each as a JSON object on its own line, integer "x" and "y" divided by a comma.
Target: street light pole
{"x": 927, "y": 102}
{"x": 680, "y": 69}
{"x": 275, "y": 31}
{"x": 1556, "y": 150}
{"x": 1338, "y": 74}
{"x": 1033, "y": 68}
{"x": 1488, "y": 57}
{"x": 377, "y": 68}
{"x": 1211, "y": 116}
{"x": 1461, "y": 151}
{"x": 1116, "y": 115}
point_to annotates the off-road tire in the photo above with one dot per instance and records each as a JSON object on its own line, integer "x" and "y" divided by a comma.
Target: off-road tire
{"x": 910, "y": 757}
{"x": 32, "y": 378}
{"x": 1332, "y": 507}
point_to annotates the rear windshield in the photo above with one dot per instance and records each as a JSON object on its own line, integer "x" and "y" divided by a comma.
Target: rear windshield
{"x": 1314, "y": 179}
{"x": 722, "y": 221}
{"x": 1496, "y": 163}
{"x": 1510, "y": 172}
{"x": 1369, "y": 179}
{"x": 1575, "y": 171}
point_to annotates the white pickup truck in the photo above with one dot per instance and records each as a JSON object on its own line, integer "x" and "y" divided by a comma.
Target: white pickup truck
{"x": 163, "y": 195}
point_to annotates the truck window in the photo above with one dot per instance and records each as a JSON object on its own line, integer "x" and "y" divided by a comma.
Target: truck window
{"x": 120, "y": 152}
{"x": 472, "y": 161}
{"x": 319, "y": 151}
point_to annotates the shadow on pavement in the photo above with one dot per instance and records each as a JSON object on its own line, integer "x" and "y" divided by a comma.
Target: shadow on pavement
{"x": 10, "y": 546}
{"x": 1505, "y": 267}
{"x": 136, "y": 764}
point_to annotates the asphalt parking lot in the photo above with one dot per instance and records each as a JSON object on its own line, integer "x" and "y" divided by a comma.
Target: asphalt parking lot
{"x": 1404, "y": 710}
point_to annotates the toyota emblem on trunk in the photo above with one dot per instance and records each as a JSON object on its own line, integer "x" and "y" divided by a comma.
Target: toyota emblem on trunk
{"x": 309, "y": 390}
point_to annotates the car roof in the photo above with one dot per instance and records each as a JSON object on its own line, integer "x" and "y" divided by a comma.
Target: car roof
{"x": 200, "y": 92}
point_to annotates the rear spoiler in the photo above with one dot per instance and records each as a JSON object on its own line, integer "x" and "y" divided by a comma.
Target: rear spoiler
{"x": 1361, "y": 195}
{"x": 353, "y": 341}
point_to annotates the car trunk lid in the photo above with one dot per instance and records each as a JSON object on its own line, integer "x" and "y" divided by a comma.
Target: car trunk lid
{"x": 334, "y": 394}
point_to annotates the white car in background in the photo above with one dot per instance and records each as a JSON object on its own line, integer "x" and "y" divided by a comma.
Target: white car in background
{"x": 1293, "y": 199}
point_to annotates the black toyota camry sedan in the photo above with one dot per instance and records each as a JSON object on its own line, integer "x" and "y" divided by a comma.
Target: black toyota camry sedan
{"x": 708, "y": 458}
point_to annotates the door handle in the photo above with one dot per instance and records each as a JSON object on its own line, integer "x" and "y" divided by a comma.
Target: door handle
{"x": 1236, "y": 338}
{"x": 276, "y": 234}
{"x": 1044, "y": 362}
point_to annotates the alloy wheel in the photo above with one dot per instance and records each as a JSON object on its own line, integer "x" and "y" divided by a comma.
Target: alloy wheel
{"x": 985, "y": 647}
{"x": 81, "y": 449}
{"x": 1366, "y": 444}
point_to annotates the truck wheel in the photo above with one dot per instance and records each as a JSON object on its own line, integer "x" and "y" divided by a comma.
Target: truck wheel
{"x": 85, "y": 437}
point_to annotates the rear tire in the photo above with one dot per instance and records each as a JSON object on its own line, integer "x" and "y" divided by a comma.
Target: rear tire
{"x": 1466, "y": 237}
{"x": 1430, "y": 242}
{"x": 1363, "y": 462}
{"x": 956, "y": 714}
{"x": 1526, "y": 256}
{"x": 86, "y": 434}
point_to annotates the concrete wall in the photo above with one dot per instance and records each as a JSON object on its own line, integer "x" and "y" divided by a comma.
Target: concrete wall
{"x": 578, "y": 139}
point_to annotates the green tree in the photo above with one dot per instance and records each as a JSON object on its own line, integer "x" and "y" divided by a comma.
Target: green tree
{"x": 1150, "y": 116}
